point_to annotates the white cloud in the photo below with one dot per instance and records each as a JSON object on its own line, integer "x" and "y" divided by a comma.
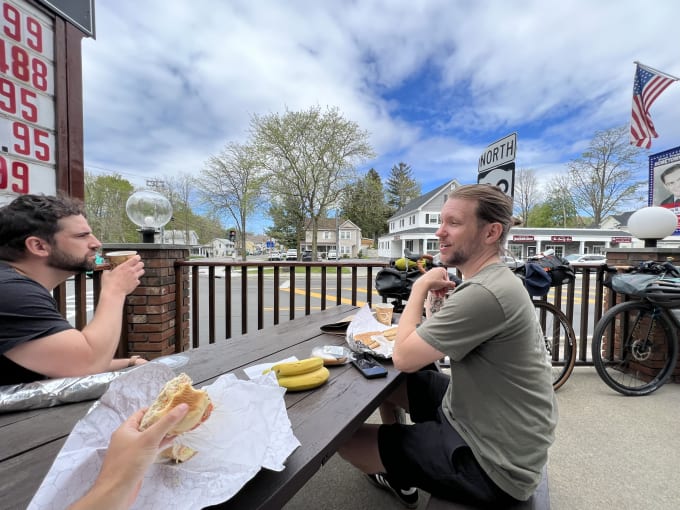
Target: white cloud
{"x": 167, "y": 84}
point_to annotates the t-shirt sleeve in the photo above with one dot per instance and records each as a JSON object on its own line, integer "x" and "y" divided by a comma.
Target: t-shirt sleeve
{"x": 470, "y": 316}
{"x": 27, "y": 312}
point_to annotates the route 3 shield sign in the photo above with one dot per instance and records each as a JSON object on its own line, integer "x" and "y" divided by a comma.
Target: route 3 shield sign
{"x": 502, "y": 176}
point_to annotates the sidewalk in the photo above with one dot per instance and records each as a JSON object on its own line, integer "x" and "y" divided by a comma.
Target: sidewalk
{"x": 611, "y": 451}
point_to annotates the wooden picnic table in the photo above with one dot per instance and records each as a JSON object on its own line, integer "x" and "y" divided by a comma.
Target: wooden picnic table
{"x": 322, "y": 418}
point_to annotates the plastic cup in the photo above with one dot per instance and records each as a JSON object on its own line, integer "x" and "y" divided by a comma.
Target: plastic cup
{"x": 383, "y": 313}
{"x": 118, "y": 257}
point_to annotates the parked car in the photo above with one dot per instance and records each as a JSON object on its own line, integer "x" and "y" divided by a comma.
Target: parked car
{"x": 291, "y": 254}
{"x": 332, "y": 255}
{"x": 275, "y": 255}
{"x": 587, "y": 259}
{"x": 307, "y": 256}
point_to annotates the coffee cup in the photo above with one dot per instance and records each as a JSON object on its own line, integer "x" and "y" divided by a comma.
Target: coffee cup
{"x": 118, "y": 257}
{"x": 383, "y": 313}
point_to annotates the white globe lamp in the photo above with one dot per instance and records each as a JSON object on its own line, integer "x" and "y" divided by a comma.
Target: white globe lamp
{"x": 150, "y": 211}
{"x": 651, "y": 224}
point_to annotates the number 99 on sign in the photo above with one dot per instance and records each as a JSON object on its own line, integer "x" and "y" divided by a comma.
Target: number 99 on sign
{"x": 13, "y": 176}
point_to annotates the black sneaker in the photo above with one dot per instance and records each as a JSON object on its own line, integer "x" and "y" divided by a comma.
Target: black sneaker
{"x": 408, "y": 496}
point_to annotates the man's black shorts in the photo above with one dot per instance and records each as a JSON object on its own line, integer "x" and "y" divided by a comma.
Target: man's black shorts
{"x": 430, "y": 454}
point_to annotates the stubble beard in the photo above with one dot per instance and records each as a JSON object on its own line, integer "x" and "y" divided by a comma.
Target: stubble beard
{"x": 65, "y": 262}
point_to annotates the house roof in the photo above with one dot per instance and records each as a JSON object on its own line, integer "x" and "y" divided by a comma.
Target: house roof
{"x": 417, "y": 203}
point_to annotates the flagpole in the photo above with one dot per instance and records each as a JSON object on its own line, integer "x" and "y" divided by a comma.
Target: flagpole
{"x": 656, "y": 71}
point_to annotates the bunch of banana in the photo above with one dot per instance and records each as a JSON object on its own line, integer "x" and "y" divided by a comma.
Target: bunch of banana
{"x": 301, "y": 375}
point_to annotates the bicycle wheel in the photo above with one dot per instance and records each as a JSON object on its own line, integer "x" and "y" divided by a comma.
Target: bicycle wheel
{"x": 634, "y": 347}
{"x": 560, "y": 340}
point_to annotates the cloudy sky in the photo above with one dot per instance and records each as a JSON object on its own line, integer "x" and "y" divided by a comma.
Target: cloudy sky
{"x": 167, "y": 83}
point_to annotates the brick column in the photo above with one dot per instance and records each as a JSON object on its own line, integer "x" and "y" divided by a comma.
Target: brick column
{"x": 149, "y": 319}
{"x": 632, "y": 257}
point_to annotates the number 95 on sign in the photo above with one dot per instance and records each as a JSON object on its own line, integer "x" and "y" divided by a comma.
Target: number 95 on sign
{"x": 26, "y": 141}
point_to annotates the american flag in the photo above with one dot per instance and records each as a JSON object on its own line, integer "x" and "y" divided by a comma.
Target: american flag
{"x": 648, "y": 85}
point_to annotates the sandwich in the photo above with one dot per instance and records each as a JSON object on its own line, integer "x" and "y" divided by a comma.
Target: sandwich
{"x": 179, "y": 391}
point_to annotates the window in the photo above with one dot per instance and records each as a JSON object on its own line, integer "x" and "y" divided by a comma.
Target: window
{"x": 432, "y": 245}
{"x": 327, "y": 235}
{"x": 409, "y": 245}
{"x": 433, "y": 219}
{"x": 345, "y": 234}
{"x": 401, "y": 222}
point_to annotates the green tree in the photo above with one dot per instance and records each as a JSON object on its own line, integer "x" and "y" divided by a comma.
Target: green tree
{"x": 401, "y": 187}
{"x": 233, "y": 182}
{"x": 603, "y": 179}
{"x": 105, "y": 198}
{"x": 364, "y": 204}
{"x": 310, "y": 156}
{"x": 287, "y": 223}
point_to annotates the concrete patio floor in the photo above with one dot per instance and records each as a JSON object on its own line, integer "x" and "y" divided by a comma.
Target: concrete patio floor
{"x": 611, "y": 452}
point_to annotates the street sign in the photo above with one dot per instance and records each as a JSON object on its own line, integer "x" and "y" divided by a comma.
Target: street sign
{"x": 503, "y": 177}
{"x": 498, "y": 153}
{"x": 497, "y": 164}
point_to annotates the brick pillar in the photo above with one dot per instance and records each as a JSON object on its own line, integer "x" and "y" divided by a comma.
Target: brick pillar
{"x": 149, "y": 319}
{"x": 632, "y": 257}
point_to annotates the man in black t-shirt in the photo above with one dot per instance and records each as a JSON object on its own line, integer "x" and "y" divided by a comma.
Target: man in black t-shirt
{"x": 43, "y": 241}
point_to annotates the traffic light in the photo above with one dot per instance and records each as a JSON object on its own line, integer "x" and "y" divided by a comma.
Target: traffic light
{"x": 232, "y": 235}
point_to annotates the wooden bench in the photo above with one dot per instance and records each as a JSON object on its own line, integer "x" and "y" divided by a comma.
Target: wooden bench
{"x": 539, "y": 501}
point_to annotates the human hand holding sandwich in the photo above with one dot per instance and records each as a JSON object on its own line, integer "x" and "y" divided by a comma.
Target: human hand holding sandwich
{"x": 136, "y": 443}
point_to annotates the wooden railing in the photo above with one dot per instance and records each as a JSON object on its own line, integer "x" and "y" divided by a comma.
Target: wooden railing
{"x": 354, "y": 282}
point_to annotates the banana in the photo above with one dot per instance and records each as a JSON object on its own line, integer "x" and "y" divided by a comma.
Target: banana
{"x": 305, "y": 381}
{"x": 291, "y": 368}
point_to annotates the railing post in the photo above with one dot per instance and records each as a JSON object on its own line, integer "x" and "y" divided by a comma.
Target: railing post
{"x": 150, "y": 315}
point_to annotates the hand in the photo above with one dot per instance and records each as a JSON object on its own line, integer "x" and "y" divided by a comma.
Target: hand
{"x": 436, "y": 280}
{"x": 126, "y": 276}
{"x": 127, "y": 459}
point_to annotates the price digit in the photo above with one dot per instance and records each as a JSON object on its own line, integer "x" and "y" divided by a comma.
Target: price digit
{"x": 20, "y": 60}
{"x": 4, "y": 67}
{"x": 20, "y": 173}
{"x": 34, "y": 28}
{"x": 7, "y": 96}
{"x": 29, "y": 101}
{"x": 39, "y": 78}
{"x": 22, "y": 135}
{"x": 42, "y": 151}
{"x": 12, "y": 16}
{"x": 3, "y": 173}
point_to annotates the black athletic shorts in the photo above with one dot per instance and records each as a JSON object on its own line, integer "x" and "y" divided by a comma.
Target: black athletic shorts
{"x": 430, "y": 454}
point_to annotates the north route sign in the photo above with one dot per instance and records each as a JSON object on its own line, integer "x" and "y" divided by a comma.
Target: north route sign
{"x": 497, "y": 164}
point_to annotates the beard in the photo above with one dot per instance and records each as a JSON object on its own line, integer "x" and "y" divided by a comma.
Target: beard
{"x": 65, "y": 262}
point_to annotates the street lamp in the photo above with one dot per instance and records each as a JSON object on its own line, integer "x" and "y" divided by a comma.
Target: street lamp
{"x": 149, "y": 211}
{"x": 651, "y": 224}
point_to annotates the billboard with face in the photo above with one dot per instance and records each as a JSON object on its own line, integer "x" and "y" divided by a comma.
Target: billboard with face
{"x": 664, "y": 181}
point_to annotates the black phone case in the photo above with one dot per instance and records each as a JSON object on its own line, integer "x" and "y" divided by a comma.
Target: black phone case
{"x": 368, "y": 366}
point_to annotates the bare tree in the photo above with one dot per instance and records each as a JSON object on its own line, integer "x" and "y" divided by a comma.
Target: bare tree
{"x": 527, "y": 194}
{"x": 603, "y": 179}
{"x": 310, "y": 156}
{"x": 233, "y": 182}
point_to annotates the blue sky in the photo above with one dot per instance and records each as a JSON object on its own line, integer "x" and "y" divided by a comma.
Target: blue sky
{"x": 168, "y": 83}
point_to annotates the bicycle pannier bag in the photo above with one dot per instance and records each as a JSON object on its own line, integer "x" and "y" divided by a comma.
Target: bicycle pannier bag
{"x": 558, "y": 268}
{"x": 633, "y": 284}
{"x": 390, "y": 282}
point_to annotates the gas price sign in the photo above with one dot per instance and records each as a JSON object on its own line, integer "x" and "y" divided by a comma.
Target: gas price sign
{"x": 27, "y": 115}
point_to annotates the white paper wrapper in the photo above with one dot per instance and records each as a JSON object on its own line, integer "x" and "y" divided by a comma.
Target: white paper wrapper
{"x": 248, "y": 429}
{"x": 363, "y": 322}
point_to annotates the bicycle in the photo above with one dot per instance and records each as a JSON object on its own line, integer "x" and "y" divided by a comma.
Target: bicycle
{"x": 539, "y": 274}
{"x": 560, "y": 340}
{"x": 635, "y": 345}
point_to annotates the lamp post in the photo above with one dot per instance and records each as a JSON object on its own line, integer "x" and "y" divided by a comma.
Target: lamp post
{"x": 651, "y": 224}
{"x": 149, "y": 211}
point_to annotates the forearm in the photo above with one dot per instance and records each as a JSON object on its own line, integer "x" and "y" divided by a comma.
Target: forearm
{"x": 412, "y": 315}
{"x": 105, "y": 496}
{"x": 103, "y": 332}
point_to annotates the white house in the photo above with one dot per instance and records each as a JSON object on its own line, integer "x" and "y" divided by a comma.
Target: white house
{"x": 222, "y": 247}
